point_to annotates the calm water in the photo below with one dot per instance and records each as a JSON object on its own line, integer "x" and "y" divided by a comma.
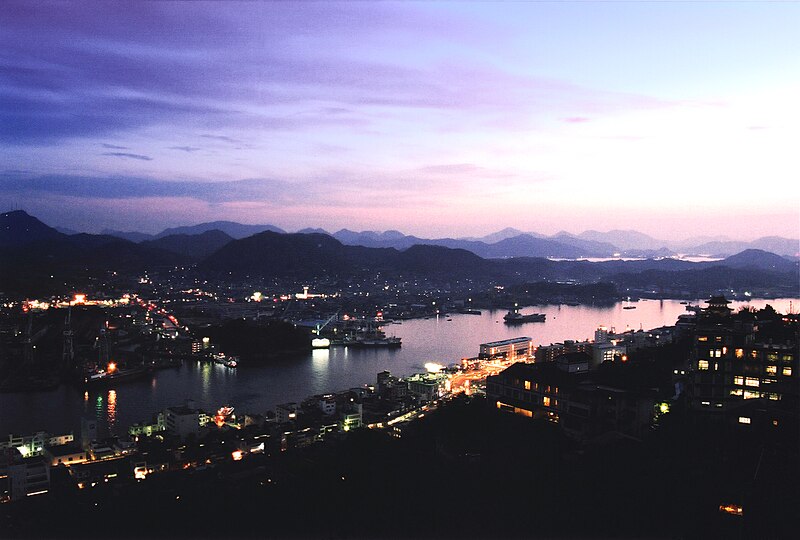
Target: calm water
{"x": 259, "y": 388}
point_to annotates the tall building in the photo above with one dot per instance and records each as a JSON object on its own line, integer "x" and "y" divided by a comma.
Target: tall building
{"x": 743, "y": 367}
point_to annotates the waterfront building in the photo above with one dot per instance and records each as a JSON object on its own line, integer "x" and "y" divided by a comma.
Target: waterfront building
{"x": 34, "y": 445}
{"x": 426, "y": 386}
{"x": 146, "y": 429}
{"x": 584, "y": 403}
{"x": 182, "y": 421}
{"x": 65, "y": 454}
{"x": 744, "y": 362}
{"x": 508, "y": 348}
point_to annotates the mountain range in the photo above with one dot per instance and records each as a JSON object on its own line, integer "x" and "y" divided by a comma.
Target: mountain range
{"x": 510, "y": 242}
{"x": 38, "y": 257}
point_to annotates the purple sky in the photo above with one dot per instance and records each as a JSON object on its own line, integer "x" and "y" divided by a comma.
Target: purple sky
{"x": 437, "y": 119}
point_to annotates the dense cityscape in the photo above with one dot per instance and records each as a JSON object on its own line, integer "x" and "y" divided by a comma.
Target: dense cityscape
{"x": 409, "y": 270}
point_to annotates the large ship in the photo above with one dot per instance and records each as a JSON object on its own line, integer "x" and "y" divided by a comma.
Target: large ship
{"x": 515, "y": 317}
{"x": 111, "y": 374}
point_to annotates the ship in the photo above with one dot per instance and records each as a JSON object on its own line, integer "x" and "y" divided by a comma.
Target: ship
{"x": 112, "y": 374}
{"x": 515, "y": 317}
{"x": 228, "y": 361}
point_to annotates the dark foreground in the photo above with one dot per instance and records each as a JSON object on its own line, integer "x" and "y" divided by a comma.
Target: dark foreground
{"x": 466, "y": 471}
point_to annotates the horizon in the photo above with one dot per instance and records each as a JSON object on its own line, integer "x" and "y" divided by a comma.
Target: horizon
{"x": 438, "y": 120}
{"x": 155, "y": 232}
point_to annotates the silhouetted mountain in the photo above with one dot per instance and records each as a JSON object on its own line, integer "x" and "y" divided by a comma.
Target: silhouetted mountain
{"x": 133, "y": 236}
{"x": 759, "y": 259}
{"x": 600, "y": 249}
{"x": 788, "y": 247}
{"x": 192, "y": 246}
{"x": 526, "y": 245}
{"x": 624, "y": 240}
{"x": 301, "y": 255}
{"x": 65, "y": 230}
{"x": 309, "y": 230}
{"x": 231, "y": 228}
{"x": 18, "y": 228}
{"x": 273, "y": 254}
{"x": 508, "y": 232}
{"x": 62, "y": 262}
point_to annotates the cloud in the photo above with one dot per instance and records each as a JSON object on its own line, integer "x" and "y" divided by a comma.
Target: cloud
{"x": 114, "y": 146}
{"x": 185, "y": 148}
{"x": 127, "y": 155}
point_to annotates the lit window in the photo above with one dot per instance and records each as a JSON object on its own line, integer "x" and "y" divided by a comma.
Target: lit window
{"x": 546, "y": 401}
{"x": 527, "y": 385}
{"x": 751, "y": 381}
{"x": 744, "y": 420}
{"x": 702, "y": 338}
{"x": 774, "y": 397}
{"x": 772, "y": 370}
{"x": 772, "y": 357}
{"x": 738, "y": 380}
{"x": 750, "y": 394}
{"x": 716, "y": 353}
{"x": 788, "y": 358}
{"x": 739, "y": 353}
{"x": 737, "y": 392}
{"x": 702, "y": 365}
{"x": 787, "y": 371}
{"x": 753, "y": 354}
{"x": 718, "y": 338}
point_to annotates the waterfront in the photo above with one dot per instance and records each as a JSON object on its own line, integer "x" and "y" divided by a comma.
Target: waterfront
{"x": 258, "y": 388}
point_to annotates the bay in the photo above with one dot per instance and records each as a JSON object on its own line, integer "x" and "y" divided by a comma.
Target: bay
{"x": 257, "y": 388}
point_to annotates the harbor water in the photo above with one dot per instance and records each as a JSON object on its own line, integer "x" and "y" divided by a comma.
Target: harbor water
{"x": 257, "y": 388}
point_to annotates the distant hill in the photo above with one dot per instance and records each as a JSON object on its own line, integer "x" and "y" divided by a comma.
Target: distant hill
{"x": 624, "y": 240}
{"x": 132, "y": 236}
{"x": 18, "y": 228}
{"x": 192, "y": 246}
{"x": 301, "y": 255}
{"x": 38, "y": 259}
{"x": 231, "y": 228}
{"x": 759, "y": 259}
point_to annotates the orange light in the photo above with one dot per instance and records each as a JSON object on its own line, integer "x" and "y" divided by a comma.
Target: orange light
{"x": 237, "y": 455}
{"x": 112, "y": 367}
{"x": 80, "y": 298}
{"x": 733, "y": 509}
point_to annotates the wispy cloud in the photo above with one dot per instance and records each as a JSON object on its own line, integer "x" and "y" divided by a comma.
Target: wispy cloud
{"x": 114, "y": 146}
{"x": 140, "y": 157}
{"x": 185, "y": 148}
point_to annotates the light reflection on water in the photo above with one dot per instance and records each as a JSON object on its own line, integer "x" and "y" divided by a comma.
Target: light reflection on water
{"x": 259, "y": 387}
{"x": 111, "y": 416}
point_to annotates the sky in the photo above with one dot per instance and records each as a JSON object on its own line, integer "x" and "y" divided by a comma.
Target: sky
{"x": 677, "y": 119}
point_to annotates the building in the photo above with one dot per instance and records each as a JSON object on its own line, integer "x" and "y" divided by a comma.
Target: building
{"x": 182, "y": 421}
{"x": 327, "y": 404}
{"x": 738, "y": 360}
{"x": 426, "y": 386}
{"x": 34, "y": 445}
{"x": 286, "y": 412}
{"x": 585, "y": 404}
{"x": 507, "y": 348}
{"x": 548, "y": 353}
{"x": 22, "y": 477}
{"x": 607, "y": 352}
{"x": 65, "y": 454}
